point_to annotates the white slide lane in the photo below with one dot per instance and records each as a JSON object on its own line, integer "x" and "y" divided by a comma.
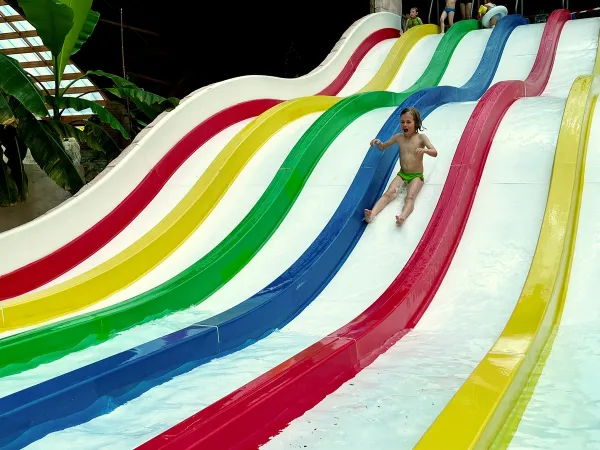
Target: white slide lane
{"x": 48, "y": 232}
{"x": 391, "y": 403}
{"x": 563, "y": 411}
{"x": 272, "y": 350}
{"x": 187, "y": 175}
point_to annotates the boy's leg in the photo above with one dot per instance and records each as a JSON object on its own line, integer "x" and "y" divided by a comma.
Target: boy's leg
{"x": 388, "y": 196}
{"x": 462, "y": 10}
{"x": 451, "y": 18}
{"x": 468, "y": 11}
{"x": 409, "y": 202}
{"x": 443, "y": 19}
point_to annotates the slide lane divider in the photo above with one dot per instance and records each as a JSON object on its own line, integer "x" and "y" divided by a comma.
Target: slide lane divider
{"x": 45, "y": 269}
{"x": 98, "y": 388}
{"x": 162, "y": 240}
{"x": 250, "y": 415}
{"x": 476, "y": 415}
{"x": 193, "y": 285}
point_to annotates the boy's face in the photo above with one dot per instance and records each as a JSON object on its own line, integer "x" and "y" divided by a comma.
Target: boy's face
{"x": 413, "y": 13}
{"x": 407, "y": 122}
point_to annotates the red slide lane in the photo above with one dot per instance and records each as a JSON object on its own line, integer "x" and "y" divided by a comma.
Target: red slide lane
{"x": 46, "y": 269}
{"x": 247, "y": 417}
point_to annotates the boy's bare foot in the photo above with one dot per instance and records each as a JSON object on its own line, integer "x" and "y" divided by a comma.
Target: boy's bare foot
{"x": 368, "y": 215}
{"x": 400, "y": 220}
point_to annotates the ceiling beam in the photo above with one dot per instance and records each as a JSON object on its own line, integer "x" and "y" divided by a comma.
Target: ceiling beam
{"x": 129, "y": 27}
{"x": 66, "y": 76}
{"x": 28, "y": 49}
{"x": 18, "y": 34}
{"x": 5, "y": 19}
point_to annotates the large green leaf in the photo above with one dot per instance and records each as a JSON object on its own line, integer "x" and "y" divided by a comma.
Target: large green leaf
{"x": 65, "y": 130}
{"x": 86, "y": 31}
{"x": 15, "y": 152}
{"x": 81, "y": 104}
{"x": 120, "y": 82}
{"x": 7, "y": 117}
{"x": 81, "y": 9}
{"x": 15, "y": 82}
{"x": 9, "y": 193}
{"x": 47, "y": 150}
{"x": 52, "y": 19}
{"x": 99, "y": 134}
{"x": 145, "y": 97}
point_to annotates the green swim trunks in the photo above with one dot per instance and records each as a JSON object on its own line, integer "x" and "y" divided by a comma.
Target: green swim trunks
{"x": 408, "y": 177}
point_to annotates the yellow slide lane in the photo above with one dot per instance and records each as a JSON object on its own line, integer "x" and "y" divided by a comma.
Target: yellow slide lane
{"x": 477, "y": 413}
{"x": 155, "y": 246}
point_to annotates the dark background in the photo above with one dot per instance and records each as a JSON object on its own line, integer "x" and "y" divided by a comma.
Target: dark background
{"x": 173, "y": 48}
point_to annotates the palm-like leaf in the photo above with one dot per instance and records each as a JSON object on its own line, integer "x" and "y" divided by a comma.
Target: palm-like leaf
{"x": 9, "y": 193}
{"x": 65, "y": 130}
{"x": 15, "y": 82}
{"x": 81, "y": 104}
{"x": 86, "y": 31}
{"x": 7, "y": 118}
{"x": 52, "y": 19}
{"x": 100, "y": 135}
{"x": 47, "y": 150}
{"x": 80, "y": 9}
{"x": 15, "y": 152}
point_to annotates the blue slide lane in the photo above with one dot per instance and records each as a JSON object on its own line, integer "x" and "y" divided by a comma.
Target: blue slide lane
{"x": 96, "y": 389}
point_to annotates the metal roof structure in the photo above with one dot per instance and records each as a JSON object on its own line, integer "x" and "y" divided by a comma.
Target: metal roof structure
{"x": 19, "y": 40}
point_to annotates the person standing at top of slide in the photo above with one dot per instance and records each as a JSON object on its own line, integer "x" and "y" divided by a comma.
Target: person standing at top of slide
{"x": 413, "y": 19}
{"x": 449, "y": 13}
{"x": 465, "y": 8}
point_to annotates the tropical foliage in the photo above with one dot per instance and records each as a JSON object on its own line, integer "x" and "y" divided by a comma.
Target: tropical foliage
{"x": 33, "y": 119}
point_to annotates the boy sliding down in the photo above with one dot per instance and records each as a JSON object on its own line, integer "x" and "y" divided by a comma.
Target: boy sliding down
{"x": 412, "y": 147}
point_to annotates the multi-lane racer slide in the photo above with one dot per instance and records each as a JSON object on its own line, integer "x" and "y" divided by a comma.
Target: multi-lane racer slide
{"x": 284, "y": 391}
{"x": 99, "y": 388}
{"x": 135, "y": 179}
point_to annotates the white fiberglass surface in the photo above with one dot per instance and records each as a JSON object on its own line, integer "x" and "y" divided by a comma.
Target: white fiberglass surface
{"x": 397, "y": 397}
{"x": 522, "y": 45}
{"x": 563, "y": 411}
{"x": 368, "y": 270}
{"x": 187, "y": 175}
{"x": 317, "y": 202}
{"x": 367, "y": 67}
{"x": 576, "y": 55}
{"x": 416, "y": 62}
{"x": 466, "y": 58}
{"x": 235, "y": 204}
{"x": 107, "y": 190}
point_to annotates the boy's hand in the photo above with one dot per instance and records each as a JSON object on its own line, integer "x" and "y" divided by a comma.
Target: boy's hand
{"x": 376, "y": 142}
{"x": 420, "y": 151}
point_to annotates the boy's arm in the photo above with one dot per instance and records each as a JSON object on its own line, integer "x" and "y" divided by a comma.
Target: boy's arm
{"x": 387, "y": 144}
{"x": 420, "y": 21}
{"x": 428, "y": 149}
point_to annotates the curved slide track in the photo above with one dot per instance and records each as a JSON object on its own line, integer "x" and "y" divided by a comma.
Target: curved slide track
{"x": 337, "y": 269}
{"x": 131, "y": 182}
{"x": 288, "y": 384}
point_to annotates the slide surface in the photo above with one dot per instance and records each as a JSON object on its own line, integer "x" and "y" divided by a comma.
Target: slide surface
{"x": 314, "y": 305}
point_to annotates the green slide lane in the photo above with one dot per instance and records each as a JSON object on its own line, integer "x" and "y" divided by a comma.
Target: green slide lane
{"x": 196, "y": 283}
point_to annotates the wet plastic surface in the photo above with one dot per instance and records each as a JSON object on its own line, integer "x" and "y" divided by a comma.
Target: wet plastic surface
{"x": 563, "y": 411}
{"x": 125, "y": 356}
{"x": 221, "y": 262}
{"x": 399, "y": 395}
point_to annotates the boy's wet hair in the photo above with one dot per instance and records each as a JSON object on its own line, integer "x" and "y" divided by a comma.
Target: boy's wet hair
{"x": 416, "y": 117}
{"x": 415, "y": 8}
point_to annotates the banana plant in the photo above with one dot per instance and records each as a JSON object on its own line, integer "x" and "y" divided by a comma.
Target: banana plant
{"x": 30, "y": 119}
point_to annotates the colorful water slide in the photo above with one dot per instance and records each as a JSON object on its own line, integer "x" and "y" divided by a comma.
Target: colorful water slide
{"x": 437, "y": 68}
{"x": 286, "y": 391}
{"x": 172, "y": 230}
{"x": 131, "y": 371}
{"x": 112, "y": 384}
{"x": 136, "y": 178}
